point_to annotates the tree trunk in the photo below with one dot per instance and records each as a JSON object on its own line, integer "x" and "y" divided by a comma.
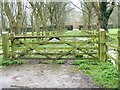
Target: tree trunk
{"x": 105, "y": 14}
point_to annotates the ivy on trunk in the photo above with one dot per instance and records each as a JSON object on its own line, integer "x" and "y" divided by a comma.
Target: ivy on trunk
{"x": 105, "y": 11}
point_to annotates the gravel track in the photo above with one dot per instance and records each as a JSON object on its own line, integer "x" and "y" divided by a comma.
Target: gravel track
{"x": 44, "y": 76}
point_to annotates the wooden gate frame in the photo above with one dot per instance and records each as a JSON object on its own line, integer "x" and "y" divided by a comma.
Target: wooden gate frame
{"x": 61, "y": 41}
{"x": 102, "y": 49}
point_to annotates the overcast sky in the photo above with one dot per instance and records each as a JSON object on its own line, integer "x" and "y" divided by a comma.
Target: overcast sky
{"x": 77, "y": 2}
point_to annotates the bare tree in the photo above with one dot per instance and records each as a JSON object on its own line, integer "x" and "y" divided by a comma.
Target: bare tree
{"x": 57, "y": 12}
{"x": 14, "y": 21}
{"x": 36, "y": 17}
{"x": 103, "y": 12}
{"x": 2, "y": 18}
{"x": 88, "y": 13}
{"x": 40, "y": 14}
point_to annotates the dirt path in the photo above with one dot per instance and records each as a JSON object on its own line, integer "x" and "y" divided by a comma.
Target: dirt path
{"x": 44, "y": 76}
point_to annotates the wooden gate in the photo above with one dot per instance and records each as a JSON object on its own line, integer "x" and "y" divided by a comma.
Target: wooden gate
{"x": 55, "y": 47}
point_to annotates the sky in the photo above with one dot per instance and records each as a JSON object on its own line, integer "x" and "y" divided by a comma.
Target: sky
{"x": 76, "y": 2}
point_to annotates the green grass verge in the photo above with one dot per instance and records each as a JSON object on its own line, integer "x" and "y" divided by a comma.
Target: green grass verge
{"x": 10, "y": 62}
{"x": 114, "y": 31}
{"x": 103, "y": 74}
{"x": 60, "y": 61}
{"x": 113, "y": 38}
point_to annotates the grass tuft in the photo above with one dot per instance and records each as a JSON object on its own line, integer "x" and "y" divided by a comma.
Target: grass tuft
{"x": 10, "y": 62}
{"x": 103, "y": 74}
{"x": 60, "y": 61}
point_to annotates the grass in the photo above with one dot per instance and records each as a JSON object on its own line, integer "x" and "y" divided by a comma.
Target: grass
{"x": 113, "y": 31}
{"x": 60, "y": 61}
{"x": 113, "y": 38}
{"x": 76, "y": 32}
{"x": 103, "y": 74}
{"x": 10, "y": 62}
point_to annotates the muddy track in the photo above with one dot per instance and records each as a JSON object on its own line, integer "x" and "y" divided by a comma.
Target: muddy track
{"x": 44, "y": 76}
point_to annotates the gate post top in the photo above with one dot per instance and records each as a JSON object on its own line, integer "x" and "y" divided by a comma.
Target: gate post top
{"x": 102, "y": 36}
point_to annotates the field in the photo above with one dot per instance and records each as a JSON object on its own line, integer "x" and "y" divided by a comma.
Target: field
{"x": 113, "y": 31}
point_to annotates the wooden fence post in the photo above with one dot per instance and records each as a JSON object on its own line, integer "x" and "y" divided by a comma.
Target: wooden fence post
{"x": 106, "y": 41}
{"x": 118, "y": 59}
{"x": 99, "y": 45}
{"x": 13, "y": 46}
{"x": 5, "y": 45}
{"x": 102, "y": 47}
